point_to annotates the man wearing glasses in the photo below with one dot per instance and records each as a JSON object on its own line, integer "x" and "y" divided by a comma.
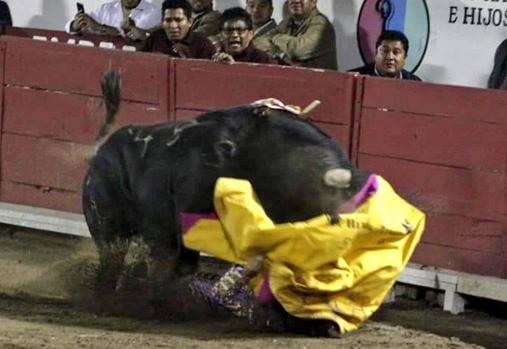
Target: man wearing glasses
{"x": 236, "y": 39}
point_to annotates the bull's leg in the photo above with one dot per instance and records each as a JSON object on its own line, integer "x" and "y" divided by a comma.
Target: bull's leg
{"x": 162, "y": 264}
{"x": 158, "y": 232}
{"x": 107, "y": 219}
{"x": 111, "y": 262}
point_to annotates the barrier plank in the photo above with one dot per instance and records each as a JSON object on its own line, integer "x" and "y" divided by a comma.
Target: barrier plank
{"x": 44, "y": 162}
{"x": 464, "y": 232}
{"x": 67, "y": 68}
{"x": 203, "y": 85}
{"x": 504, "y": 248}
{"x": 475, "y": 262}
{"x": 431, "y": 99}
{"x": 69, "y": 117}
{"x": 2, "y": 101}
{"x": 340, "y": 133}
{"x": 433, "y": 139}
{"x": 442, "y": 189}
{"x": 185, "y": 114}
{"x": 38, "y": 196}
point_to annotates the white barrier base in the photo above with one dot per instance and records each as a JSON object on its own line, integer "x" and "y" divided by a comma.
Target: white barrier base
{"x": 43, "y": 219}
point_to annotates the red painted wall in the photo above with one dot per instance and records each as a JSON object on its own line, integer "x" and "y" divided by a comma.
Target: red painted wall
{"x": 444, "y": 148}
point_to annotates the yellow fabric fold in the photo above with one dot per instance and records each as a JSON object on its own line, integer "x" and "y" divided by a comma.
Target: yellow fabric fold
{"x": 316, "y": 270}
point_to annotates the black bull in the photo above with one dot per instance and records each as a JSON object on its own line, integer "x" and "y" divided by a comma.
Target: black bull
{"x": 142, "y": 177}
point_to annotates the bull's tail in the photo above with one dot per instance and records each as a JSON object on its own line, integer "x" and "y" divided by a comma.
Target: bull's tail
{"x": 111, "y": 86}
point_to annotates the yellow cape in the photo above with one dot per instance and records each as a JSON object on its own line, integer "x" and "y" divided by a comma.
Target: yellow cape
{"x": 316, "y": 270}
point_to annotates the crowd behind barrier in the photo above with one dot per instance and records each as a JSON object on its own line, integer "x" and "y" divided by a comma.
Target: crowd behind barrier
{"x": 444, "y": 148}
{"x": 305, "y": 37}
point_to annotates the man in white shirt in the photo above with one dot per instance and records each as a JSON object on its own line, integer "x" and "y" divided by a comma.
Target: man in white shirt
{"x": 134, "y": 19}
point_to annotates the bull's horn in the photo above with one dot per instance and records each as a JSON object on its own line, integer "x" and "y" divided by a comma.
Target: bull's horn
{"x": 338, "y": 177}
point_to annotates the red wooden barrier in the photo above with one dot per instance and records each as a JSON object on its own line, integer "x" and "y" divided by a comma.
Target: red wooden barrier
{"x": 2, "y": 64}
{"x": 444, "y": 149}
{"x": 52, "y": 112}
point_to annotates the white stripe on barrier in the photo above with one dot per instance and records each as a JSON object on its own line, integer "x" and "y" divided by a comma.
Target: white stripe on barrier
{"x": 43, "y": 219}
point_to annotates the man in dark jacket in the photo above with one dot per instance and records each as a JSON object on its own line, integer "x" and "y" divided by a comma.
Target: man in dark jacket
{"x": 392, "y": 49}
{"x": 498, "y": 77}
{"x": 175, "y": 37}
{"x": 236, "y": 44}
{"x": 5, "y": 15}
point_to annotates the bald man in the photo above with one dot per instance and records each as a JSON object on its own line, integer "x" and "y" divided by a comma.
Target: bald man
{"x": 306, "y": 38}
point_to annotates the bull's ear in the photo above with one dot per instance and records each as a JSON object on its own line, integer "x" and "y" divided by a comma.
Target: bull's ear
{"x": 226, "y": 148}
{"x": 338, "y": 178}
{"x": 262, "y": 111}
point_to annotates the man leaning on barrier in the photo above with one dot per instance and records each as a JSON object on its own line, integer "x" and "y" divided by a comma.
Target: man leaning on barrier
{"x": 236, "y": 43}
{"x": 392, "y": 50}
{"x": 134, "y": 19}
{"x": 175, "y": 37}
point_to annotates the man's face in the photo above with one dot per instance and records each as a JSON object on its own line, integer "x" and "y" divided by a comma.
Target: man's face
{"x": 130, "y": 3}
{"x": 176, "y": 25}
{"x": 259, "y": 10}
{"x": 236, "y": 36}
{"x": 200, "y": 5}
{"x": 301, "y": 9}
{"x": 390, "y": 58}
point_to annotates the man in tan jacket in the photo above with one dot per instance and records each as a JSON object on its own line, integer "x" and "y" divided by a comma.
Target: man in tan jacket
{"x": 306, "y": 38}
{"x": 264, "y": 25}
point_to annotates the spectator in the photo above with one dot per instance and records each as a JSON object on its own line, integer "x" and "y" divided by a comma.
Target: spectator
{"x": 392, "y": 49}
{"x": 5, "y": 15}
{"x": 306, "y": 37}
{"x": 263, "y": 25}
{"x": 175, "y": 37}
{"x": 498, "y": 77}
{"x": 205, "y": 20}
{"x": 237, "y": 33}
{"x": 134, "y": 19}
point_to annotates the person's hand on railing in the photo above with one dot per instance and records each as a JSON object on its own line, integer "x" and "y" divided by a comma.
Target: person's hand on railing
{"x": 223, "y": 58}
{"x": 80, "y": 22}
